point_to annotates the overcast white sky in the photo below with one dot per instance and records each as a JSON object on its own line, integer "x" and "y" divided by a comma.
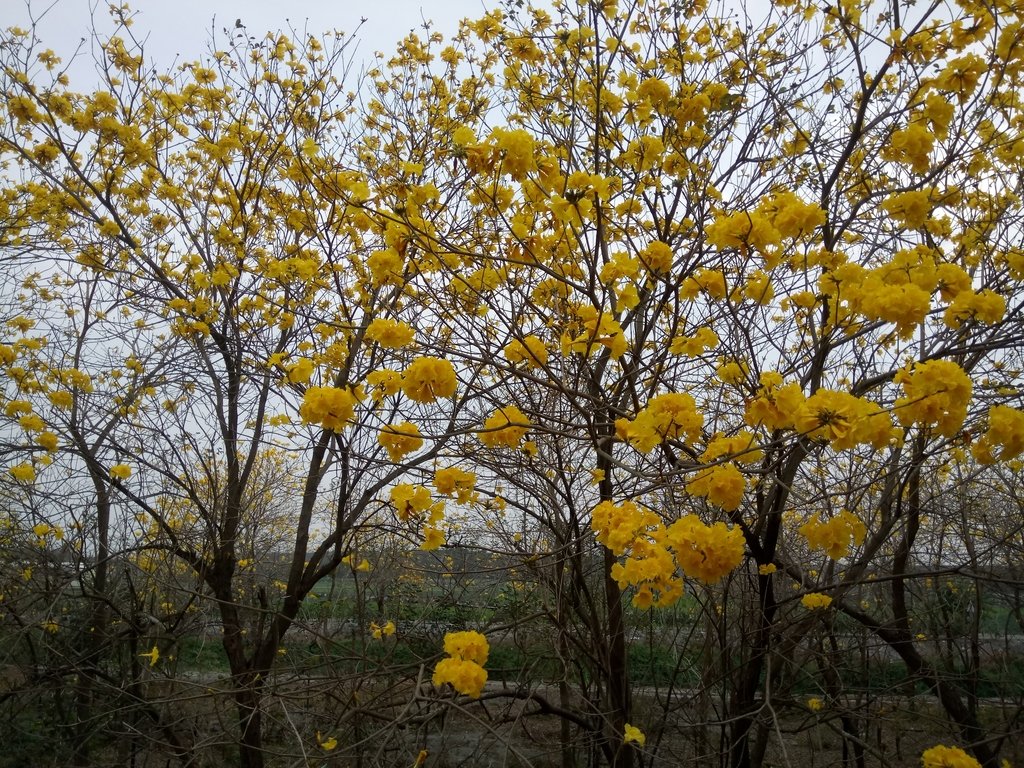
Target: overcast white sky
{"x": 181, "y": 28}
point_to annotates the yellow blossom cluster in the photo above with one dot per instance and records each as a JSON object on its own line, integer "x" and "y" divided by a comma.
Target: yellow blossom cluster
{"x": 814, "y": 601}
{"x": 464, "y": 667}
{"x": 947, "y": 757}
{"x": 937, "y": 394}
{"x": 982, "y": 306}
{"x": 384, "y": 383}
{"x": 505, "y": 428}
{"x": 722, "y": 484}
{"x": 835, "y": 535}
{"x": 330, "y": 407}
{"x": 599, "y": 329}
{"x": 776, "y": 218}
{"x": 912, "y": 146}
{"x": 390, "y": 334}
{"x": 705, "y": 552}
{"x": 450, "y": 481}
{"x": 657, "y": 257}
{"x": 530, "y": 350}
{"x": 911, "y": 208}
{"x": 1004, "y": 439}
{"x": 667, "y": 417}
{"x": 844, "y": 420}
{"x": 400, "y": 439}
{"x": 775, "y": 405}
{"x": 654, "y": 555}
{"x": 411, "y": 501}
{"x": 428, "y": 378}
{"x": 694, "y": 346}
{"x": 414, "y": 503}
{"x": 900, "y": 291}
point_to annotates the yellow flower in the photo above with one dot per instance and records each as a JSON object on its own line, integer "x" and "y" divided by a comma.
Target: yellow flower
{"x": 666, "y": 417}
{"x": 705, "y": 552}
{"x": 454, "y": 481}
{"x": 433, "y": 538}
{"x": 937, "y": 394}
{"x": 766, "y": 570}
{"x": 722, "y": 485}
{"x": 633, "y": 735}
{"x": 468, "y": 645}
{"x": 384, "y": 383}
{"x": 120, "y": 471}
{"x": 326, "y": 744}
{"x": 391, "y": 334}
{"x": 835, "y": 535}
{"x": 23, "y": 473}
{"x": 330, "y": 407}
{"x": 815, "y": 704}
{"x": 380, "y": 632}
{"x": 47, "y": 440}
{"x": 815, "y": 600}
{"x": 466, "y": 677}
{"x": 530, "y": 350}
{"x": 301, "y": 371}
{"x": 947, "y": 757}
{"x": 657, "y": 257}
{"x": 153, "y": 656}
{"x": 411, "y": 500}
{"x": 400, "y": 439}
{"x": 428, "y": 378}
{"x": 1005, "y": 431}
{"x": 506, "y": 428}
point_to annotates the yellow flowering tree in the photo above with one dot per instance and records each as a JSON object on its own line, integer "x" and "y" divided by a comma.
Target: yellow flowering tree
{"x": 219, "y": 343}
{"x": 727, "y": 285}
{"x": 667, "y": 302}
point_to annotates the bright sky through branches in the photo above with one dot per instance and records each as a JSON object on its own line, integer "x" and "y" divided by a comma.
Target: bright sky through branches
{"x": 182, "y": 30}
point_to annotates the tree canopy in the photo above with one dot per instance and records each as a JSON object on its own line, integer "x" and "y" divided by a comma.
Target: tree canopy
{"x": 646, "y": 302}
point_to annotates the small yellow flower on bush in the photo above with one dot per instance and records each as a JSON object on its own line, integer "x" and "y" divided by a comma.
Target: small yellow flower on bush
{"x": 815, "y": 704}
{"x": 815, "y": 600}
{"x": 463, "y": 669}
{"x": 380, "y": 632}
{"x": 633, "y": 735}
{"x": 947, "y": 757}
{"x": 505, "y": 428}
